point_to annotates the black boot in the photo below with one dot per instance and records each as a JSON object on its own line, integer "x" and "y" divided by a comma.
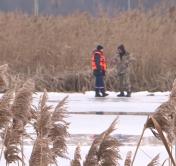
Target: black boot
{"x": 121, "y": 94}
{"x": 104, "y": 94}
{"x": 97, "y": 94}
{"x": 128, "y": 94}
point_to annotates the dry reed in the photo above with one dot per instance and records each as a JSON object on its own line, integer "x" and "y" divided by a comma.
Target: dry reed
{"x": 41, "y": 153}
{"x": 5, "y": 109}
{"x": 128, "y": 159}
{"x": 155, "y": 161}
{"x": 21, "y": 115}
{"x": 12, "y": 145}
{"x": 104, "y": 149}
{"x": 165, "y": 115}
{"x": 4, "y": 77}
{"x": 56, "y": 50}
{"x": 21, "y": 108}
{"x": 51, "y": 129}
{"x": 77, "y": 157}
{"x": 58, "y": 132}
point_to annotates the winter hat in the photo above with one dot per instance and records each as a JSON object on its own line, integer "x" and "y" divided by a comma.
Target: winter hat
{"x": 122, "y": 48}
{"x": 99, "y": 47}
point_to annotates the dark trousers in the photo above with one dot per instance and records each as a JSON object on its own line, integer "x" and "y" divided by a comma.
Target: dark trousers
{"x": 124, "y": 81}
{"x": 99, "y": 82}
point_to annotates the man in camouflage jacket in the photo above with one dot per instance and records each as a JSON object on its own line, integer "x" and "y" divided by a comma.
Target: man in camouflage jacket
{"x": 123, "y": 61}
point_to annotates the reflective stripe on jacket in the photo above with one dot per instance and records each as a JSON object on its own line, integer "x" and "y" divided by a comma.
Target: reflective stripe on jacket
{"x": 102, "y": 60}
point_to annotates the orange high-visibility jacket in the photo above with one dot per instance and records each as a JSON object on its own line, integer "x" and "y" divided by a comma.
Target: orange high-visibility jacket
{"x": 102, "y": 60}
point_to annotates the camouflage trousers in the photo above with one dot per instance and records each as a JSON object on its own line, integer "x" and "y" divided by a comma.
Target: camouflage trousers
{"x": 124, "y": 82}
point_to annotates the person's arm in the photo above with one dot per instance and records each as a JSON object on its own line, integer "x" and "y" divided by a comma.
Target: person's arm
{"x": 114, "y": 60}
{"x": 97, "y": 62}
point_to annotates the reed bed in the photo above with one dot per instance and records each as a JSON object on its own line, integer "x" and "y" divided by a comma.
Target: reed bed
{"x": 55, "y": 50}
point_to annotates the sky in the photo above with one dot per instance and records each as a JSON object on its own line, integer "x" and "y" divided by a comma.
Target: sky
{"x": 64, "y": 7}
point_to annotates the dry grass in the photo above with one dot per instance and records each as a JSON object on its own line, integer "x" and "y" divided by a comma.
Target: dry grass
{"x": 5, "y": 109}
{"x": 104, "y": 149}
{"x": 41, "y": 153}
{"x": 77, "y": 157}
{"x": 21, "y": 108}
{"x": 21, "y": 114}
{"x": 43, "y": 117}
{"x": 51, "y": 129}
{"x": 58, "y": 132}
{"x": 165, "y": 115}
{"x": 56, "y": 50}
{"x": 128, "y": 159}
{"x": 155, "y": 161}
{"x": 4, "y": 77}
{"x": 12, "y": 144}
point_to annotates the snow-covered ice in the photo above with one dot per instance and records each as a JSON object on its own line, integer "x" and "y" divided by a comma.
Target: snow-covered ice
{"x": 95, "y": 124}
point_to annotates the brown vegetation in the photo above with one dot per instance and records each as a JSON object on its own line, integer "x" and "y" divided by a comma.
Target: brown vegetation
{"x": 104, "y": 149}
{"x": 77, "y": 157}
{"x": 4, "y": 78}
{"x": 56, "y": 50}
{"x": 165, "y": 115}
{"x": 128, "y": 159}
{"x": 162, "y": 124}
{"x": 5, "y": 109}
{"x": 155, "y": 161}
{"x": 21, "y": 114}
{"x": 51, "y": 129}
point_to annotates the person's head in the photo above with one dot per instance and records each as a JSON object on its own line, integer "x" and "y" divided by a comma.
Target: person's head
{"x": 99, "y": 48}
{"x": 121, "y": 49}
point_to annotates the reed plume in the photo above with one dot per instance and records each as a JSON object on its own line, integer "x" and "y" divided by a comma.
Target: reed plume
{"x": 52, "y": 129}
{"x": 104, "y": 149}
{"x": 155, "y": 161}
{"x": 128, "y": 159}
{"x": 77, "y": 157}
{"x": 109, "y": 151}
{"x": 5, "y": 110}
{"x": 41, "y": 153}
{"x": 20, "y": 109}
{"x": 165, "y": 115}
{"x": 4, "y": 77}
{"x": 43, "y": 117}
{"x": 59, "y": 129}
{"x": 12, "y": 144}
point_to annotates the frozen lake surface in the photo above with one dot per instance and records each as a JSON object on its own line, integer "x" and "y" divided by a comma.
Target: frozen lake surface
{"x": 95, "y": 124}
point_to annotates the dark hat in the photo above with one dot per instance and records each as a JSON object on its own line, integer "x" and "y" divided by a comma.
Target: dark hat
{"x": 99, "y": 47}
{"x": 121, "y": 47}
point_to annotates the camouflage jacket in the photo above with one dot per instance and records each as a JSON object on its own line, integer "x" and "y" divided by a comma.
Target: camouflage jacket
{"x": 124, "y": 63}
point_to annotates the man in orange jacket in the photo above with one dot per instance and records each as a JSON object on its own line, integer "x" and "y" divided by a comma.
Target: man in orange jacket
{"x": 99, "y": 69}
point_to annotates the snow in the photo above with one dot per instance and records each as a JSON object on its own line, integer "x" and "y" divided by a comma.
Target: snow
{"x": 89, "y": 124}
{"x": 95, "y": 124}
